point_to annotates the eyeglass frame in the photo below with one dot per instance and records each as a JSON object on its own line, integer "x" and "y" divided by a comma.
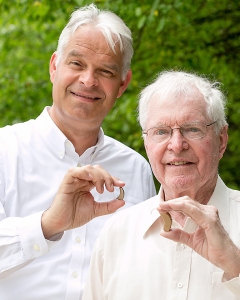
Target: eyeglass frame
{"x": 180, "y": 127}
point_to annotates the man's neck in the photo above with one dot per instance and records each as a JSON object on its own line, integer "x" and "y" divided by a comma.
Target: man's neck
{"x": 202, "y": 195}
{"x": 83, "y": 140}
{"x": 82, "y": 135}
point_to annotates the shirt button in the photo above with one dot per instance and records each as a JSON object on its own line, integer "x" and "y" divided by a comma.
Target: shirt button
{"x": 183, "y": 246}
{"x": 74, "y": 274}
{"x": 77, "y": 239}
{"x": 36, "y": 247}
{"x": 61, "y": 154}
{"x": 179, "y": 285}
{"x": 79, "y": 165}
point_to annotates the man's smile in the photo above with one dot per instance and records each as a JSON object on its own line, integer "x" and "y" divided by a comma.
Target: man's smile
{"x": 178, "y": 163}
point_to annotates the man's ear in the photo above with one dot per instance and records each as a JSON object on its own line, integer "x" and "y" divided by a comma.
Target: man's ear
{"x": 223, "y": 141}
{"x": 52, "y": 66}
{"x": 125, "y": 83}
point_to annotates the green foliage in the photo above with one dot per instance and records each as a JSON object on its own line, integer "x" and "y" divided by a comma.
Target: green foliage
{"x": 200, "y": 36}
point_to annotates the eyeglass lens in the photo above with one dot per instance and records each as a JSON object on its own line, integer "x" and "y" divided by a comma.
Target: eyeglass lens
{"x": 189, "y": 131}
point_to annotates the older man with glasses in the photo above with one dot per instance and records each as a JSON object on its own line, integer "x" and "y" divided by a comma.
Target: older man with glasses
{"x": 183, "y": 243}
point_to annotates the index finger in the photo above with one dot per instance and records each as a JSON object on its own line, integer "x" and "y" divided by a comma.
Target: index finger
{"x": 108, "y": 180}
{"x": 166, "y": 205}
{"x": 201, "y": 214}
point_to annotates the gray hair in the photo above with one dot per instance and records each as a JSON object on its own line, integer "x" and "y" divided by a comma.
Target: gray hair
{"x": 113, "y": 28}
{"x": 177, "y": 83}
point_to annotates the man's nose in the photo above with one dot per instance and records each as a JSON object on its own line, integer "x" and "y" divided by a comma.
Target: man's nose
{"x": 88, "y": 78}
{"x": 177, "y": 141}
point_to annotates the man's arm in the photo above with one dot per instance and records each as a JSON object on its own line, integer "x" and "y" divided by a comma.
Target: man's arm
{"x": 24, "y": 239}
{"x": 210, "y": 240}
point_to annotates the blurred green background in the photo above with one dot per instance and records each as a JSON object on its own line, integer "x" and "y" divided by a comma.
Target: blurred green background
{"x": 193, "y": 35}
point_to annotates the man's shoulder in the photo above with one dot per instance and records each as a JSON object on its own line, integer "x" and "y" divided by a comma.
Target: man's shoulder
{"x": 223, "y": 189}
{"x": 12, "y": 135}
{"x": 126, "y": 164}
{"x": 18, "y": 128}
{"x": 234, "y": 195}
{"x": 116, "y": 143}
{"x": 24, "y": 128}
{"x": 119, "y": 146}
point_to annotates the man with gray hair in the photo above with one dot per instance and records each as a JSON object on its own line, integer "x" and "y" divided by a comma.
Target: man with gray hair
{"x": 183, "y": 243}
{"x": 59, "y": 172}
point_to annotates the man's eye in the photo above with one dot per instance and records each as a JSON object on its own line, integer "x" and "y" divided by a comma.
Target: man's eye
{"x": 192, "y": 129}
{"x": 75, "y": 63}
{"x": 161, "y": 131}
{"x": 106, "y": 73}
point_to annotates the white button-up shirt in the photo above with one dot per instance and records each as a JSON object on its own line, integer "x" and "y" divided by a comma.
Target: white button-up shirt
{"x": 131, "y": 261}
{"x": 34, "y": 157}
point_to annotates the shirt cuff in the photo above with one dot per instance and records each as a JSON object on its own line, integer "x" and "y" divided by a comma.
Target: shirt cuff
{"x": 31, "y": 236}
{"x": 233, "y": 285}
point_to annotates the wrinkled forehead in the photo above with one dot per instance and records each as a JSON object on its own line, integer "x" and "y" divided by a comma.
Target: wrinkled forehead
{"x": 173, "y": 94}
{"x": 90, "y": 37}
{"x": 180, "y": 106}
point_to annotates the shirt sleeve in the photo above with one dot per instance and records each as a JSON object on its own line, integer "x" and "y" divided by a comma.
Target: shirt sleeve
{"x": 21, "y": 241}
{"x": 233, "y": 285}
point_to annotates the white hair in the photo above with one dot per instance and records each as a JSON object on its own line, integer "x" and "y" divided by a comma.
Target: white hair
{"x": 112, "y": 27}
{"x": 176, "y": 83}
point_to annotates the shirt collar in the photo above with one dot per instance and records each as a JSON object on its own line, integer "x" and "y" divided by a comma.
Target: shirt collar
{"x": 218, "y": 199}
{"x": 59, "y": 142}
{"x": 152, "y": 213}
{"x": 91, "y": 152}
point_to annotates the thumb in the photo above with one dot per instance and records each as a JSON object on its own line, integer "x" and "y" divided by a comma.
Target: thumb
{"x": 176, "y": 235}
{"x": 105, "y": 208}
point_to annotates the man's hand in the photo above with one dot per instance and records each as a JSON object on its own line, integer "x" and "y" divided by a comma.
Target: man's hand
{"x": 74, "y": 205}
{"x": 210, "y": 240}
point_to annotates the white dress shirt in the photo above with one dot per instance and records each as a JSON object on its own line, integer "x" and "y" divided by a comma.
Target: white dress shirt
{"x": 131, "y": 261}
{"x": 34, "y": 157}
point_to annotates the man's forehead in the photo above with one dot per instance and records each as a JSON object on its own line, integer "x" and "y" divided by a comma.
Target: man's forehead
{"x": 92, "y": 39}
{"x": 171, "y": 95}
{"x": 182, "y": 107}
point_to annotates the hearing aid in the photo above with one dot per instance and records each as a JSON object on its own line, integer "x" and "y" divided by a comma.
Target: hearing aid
{"x": 121, "y": 195}
{"x": 167, "y": 220}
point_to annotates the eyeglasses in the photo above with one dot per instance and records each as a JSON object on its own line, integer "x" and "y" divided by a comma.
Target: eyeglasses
{"x": 191, "y": 131}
